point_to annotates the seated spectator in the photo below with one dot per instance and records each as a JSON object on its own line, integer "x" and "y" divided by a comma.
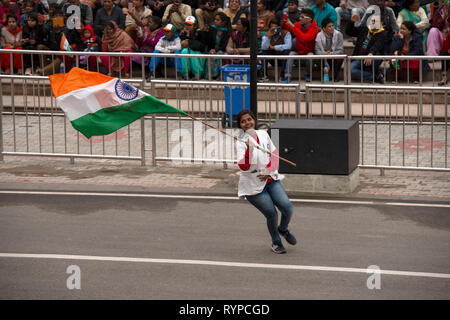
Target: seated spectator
{"x": 85, "y": 11}
{"x": 347, "y": 8}
{"x": 412, "y": 11}
{"x": 388, "y": 20}
{"x": 191, "y": 44}
{"x": 89, "y": 43}
{"x": 371, "y": 41}
{"x": 116, "y": 40}
{"x": 239, "y": 42}
{"x": 29, "y": 8}
{"x": 176, "y": 13}
{"x": 441, "y": 21}
{"x": 293, "y": 11}
{"x": 55, "y": 36}
{"x": 305, "y": 32}
{"x": 109, "y": 12}
{"x": 243, "y": 4}
{"x": 260, "y": 24}
{"x": 278, "y": 42}
{"x": 323, "y": 10}
{"x": 407, "y": 43}
{"x": 33, "y": 36}
{"x": 330, "y": 41}
{"x": 11, "y": 39}
{"x": 148, "y": 37}
{"x": 264, "y": 13}
{"x": 216, "y": 40}
{"x": 445, "y": 52}
{"x": 158, "y": 7}
{"x": 206, "y": 12}
{"x": 170, "y": 43}
{"x": 136, "y": 17}
{"x": 234, "y": 11}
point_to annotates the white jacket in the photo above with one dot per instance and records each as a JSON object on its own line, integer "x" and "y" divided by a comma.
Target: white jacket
{"x": 249, "y": 183}
{"x": 165, "y": 45}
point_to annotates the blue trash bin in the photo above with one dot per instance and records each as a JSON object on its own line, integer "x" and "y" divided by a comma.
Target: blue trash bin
{"x": 236, "y": 98}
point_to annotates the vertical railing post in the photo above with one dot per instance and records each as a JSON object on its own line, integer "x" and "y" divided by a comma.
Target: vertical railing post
{"x": 1, "y": 122}
{"x": 347, "y": 113}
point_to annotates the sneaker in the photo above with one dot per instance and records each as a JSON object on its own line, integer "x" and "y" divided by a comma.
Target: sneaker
{"x": 263, "y": 79}
{"x": 286, "y": 80}
{"x": 379, "y": 78}
{"x": 150, "y": 76}
{"x": 180, "y": 76}
{"x": 278, "y": 248}
{"x": 28, "y": 71}
{"x": 288, "y": 236}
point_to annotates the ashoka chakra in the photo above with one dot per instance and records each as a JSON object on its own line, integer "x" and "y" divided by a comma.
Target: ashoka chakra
{"x": 126, "y": 91}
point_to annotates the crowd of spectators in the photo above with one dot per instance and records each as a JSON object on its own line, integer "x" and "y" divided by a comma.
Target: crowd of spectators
{"x": 285, "y": 27}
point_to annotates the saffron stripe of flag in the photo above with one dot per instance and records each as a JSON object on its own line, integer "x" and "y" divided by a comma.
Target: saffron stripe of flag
{"x": 97, "y": 105}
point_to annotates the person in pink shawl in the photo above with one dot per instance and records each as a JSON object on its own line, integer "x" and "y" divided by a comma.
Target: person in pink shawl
{"x": 116, "y": 40}
{"x": 148, "y": 37}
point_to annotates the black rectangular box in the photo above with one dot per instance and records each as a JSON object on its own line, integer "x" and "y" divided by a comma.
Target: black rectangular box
{"x": 317, "y": 146}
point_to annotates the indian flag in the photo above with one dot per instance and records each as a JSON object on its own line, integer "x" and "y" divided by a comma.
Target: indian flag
{"x": 64, "y": 45}
{"x": 98, "y": 105}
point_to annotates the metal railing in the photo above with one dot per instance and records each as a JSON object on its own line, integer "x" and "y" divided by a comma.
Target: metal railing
{"x": 401, "y": 126}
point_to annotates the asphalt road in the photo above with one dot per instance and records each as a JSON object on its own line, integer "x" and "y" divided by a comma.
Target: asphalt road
{"x": 215, "y": 236}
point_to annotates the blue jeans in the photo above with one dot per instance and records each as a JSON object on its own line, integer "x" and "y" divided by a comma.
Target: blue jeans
{"x": 273, "y": 195}
{"x": 155, "y": 61}
{"x": 367, "y": 75}
{"x": 290, "y": 64}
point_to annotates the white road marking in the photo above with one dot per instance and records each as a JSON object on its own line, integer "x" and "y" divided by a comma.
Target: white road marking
{"x": 223, "y": 264}
{"x": 203, "y": 197}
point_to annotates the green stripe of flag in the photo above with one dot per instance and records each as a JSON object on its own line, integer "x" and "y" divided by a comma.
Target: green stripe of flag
{"x": 108, "y": 120}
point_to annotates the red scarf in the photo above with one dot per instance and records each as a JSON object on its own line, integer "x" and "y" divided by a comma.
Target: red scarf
{"x": 15, "y": 31}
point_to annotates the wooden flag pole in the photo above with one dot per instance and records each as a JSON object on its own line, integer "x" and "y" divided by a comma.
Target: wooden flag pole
{"x": 236, "y": 138}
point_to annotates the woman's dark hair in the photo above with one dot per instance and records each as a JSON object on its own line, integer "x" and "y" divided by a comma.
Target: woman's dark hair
{"x": 410, "y": 26}
{"x": 227, "y": 21}
{"x": 242, "y": 113}
{"x": 245, "y": 23}
{"x": 156, "y": 20}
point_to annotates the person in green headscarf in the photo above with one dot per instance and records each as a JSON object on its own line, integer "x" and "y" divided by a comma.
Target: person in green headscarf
{"x": 412, "y": 11}
{"x": 216, "y": 40}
